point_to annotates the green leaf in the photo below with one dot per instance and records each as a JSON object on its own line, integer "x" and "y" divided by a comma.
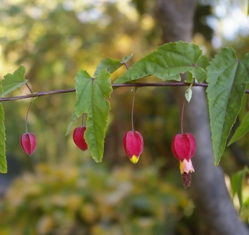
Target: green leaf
{"x": 241, "y": 130}
{"x": 108, "y": 64}
{"x": 168, "y": 62}
{"x": 91, "y": 99}
{"x": 189, "y": 78}
{"x": 188, "y": 93}
{"x": 246, "y": 202}
{"x": 13, "y": 81}
{"x": 203, "y": 61}
{"x": 237, "y": 180}
{"x": 3, "y": 163}
{"x": 227, "y": 78}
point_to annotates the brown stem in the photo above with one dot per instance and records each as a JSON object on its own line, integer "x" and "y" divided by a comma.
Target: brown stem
{"x": 132, "y": 109}
{"x": 83, "y": 120}
{"x": 27, "y": 85}
{"x": 26, "y": 119}
{"x": 126, "y": 66}
{"x": 183, "y": 105}
{"x": 163, "y": 84}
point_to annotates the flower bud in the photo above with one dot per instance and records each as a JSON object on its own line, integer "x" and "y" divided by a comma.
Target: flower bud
{"x": 28, "y": 142}
{"x": 79, "y": 139}
{"x": 133, "y": 145}
{"x": 183, "y": 146}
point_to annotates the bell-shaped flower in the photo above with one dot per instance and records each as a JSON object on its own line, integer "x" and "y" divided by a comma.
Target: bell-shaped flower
{"x": 183, "y": 147}
{"x": 28, "y": 142}
{"x": 79, "y": 139}
{"x": 133, "y": 145}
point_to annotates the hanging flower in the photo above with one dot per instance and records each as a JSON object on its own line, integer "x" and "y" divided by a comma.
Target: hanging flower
{"x": 79, "y": 139}
{"x": 183, "y": 147}
{"x": 28, "y": 142}
{"x": 133, "y": 145}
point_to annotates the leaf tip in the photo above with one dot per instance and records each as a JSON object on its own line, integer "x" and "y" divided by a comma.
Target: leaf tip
{"x": 216, "y": 162}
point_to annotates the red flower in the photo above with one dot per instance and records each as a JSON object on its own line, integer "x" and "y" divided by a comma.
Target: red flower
{"x": 28, "y": 142}
{"x": 184, "y": 146}
{"x": 133, "y": 145}
{"x": 79, "y": 139}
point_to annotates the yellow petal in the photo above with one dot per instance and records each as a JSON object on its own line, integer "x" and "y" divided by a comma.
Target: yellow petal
{"x": 134, "y": 159}
{"x": 181, "y": 167}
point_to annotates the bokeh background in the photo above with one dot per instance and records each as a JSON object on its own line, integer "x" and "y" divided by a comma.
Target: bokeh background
{"x": 60, "y": 189}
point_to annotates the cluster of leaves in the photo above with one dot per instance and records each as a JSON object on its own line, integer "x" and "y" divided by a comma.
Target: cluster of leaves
{"x": 225, "y": 74}
{"x": 86, "y": 200}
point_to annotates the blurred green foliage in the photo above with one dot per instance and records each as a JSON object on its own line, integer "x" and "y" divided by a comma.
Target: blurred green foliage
{"x": 65, "y": 199}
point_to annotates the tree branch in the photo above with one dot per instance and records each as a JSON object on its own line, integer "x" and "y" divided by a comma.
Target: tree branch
{"x": 147, "y": 84}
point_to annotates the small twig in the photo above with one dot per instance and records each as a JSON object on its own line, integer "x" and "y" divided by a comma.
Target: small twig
{"x": 37, "y": 94}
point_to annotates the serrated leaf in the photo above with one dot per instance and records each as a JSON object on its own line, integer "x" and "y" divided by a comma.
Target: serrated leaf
{"x": 91, "y": 99}
{"x": 168, "y": 62}
{"x": 241, "y": 130}
{"x": 13, "y": 81}
{"x": 109, "y": 64}
{"x": 227, "y": 78}
{"x": 188, "y": 93}
{"x": 237, "y": 180}
{"x": 3, "y": 163}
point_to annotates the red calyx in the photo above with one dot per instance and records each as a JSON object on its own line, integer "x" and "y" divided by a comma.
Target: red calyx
{"x": 79, "y": 139}
{"x": 28, "y": 142}
{"x": 133, "y": 145}
{"x": 183, "y": 146}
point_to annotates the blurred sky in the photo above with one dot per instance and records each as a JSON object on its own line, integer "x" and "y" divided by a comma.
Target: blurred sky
{"x": 230, "y": 19}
